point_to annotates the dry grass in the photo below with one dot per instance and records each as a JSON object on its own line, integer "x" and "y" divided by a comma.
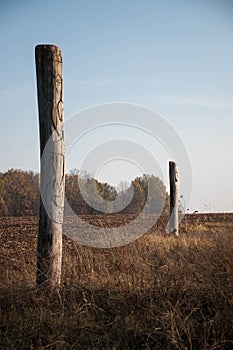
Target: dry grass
{"x": 155, "y": 293}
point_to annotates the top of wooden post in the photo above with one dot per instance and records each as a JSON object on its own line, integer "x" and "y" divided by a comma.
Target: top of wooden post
{"x": 48, "y": 51}
{"x": 172, "y": 163}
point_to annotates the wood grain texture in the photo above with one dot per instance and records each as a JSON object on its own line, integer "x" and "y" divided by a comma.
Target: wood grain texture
{"x": 52, "y": 174}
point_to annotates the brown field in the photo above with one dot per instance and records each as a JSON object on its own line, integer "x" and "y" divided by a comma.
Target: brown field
{"x": 158, "y": 292}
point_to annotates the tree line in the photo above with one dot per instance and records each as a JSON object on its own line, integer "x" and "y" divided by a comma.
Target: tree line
{"x": 19, "y": 194}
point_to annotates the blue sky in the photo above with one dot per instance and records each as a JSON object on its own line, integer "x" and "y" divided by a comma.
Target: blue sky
{"x": 174, "y": 57}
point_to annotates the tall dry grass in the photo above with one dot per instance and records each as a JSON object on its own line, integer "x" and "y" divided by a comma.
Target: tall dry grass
{"x": 158, "y": 292}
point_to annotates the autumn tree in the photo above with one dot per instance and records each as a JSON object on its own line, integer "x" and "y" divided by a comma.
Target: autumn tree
{"x": 155, "y": 197}
{"x": 3, "y": 206}
{"x": 20, "y": 192}
{"x": 85, "y": 194}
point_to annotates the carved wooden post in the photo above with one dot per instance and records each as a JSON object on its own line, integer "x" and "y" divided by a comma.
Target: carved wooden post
{"x": 174, "y": 205}
{"x": 52, "y": 172}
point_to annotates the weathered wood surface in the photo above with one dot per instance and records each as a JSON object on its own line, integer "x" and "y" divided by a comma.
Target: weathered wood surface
{"x": 174, "y": 199}
{"x": 52, "y": 173}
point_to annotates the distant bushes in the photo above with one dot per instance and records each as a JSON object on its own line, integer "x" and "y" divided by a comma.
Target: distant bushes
{"x": 19, "y": 194}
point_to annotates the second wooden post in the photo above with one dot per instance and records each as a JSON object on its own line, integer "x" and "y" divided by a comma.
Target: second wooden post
{"x": 174, "y": 199}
